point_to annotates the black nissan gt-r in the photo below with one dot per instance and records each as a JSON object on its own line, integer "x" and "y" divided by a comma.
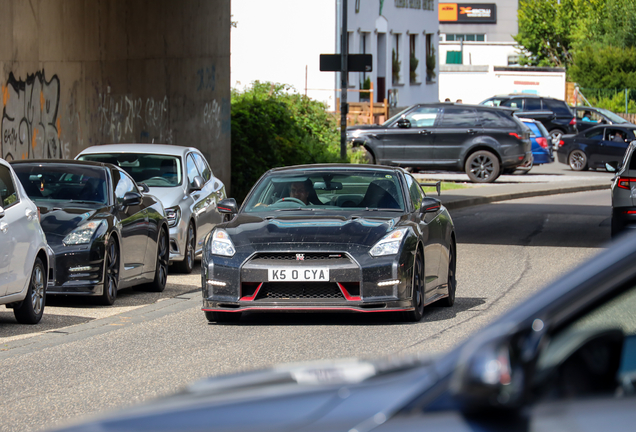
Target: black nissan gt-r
{"x": 350, "y": 238}
{"x": 106, "y": 233}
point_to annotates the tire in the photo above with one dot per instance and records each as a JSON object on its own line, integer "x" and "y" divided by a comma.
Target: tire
{"x": 32, "y": 307}
{"x": 223, "y": 317}
{"x": 187, "y": 264}
{"x": 555, "y": 136}
{"x": 111, "y": 273}
{"x": 417, "y": 296}
{"x": 482, "y": 167}
{"x": 577, "y": 160}
{"x": 452, "y": 279}
{"x": 161, "y": 267}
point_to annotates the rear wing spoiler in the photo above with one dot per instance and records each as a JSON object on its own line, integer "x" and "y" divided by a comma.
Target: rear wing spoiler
{"x": 437, "y": 185}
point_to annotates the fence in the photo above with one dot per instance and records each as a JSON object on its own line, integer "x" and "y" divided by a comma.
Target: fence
{"x": 365, "y": 112}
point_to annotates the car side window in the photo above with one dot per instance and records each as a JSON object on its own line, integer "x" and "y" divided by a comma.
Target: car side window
{"x": 422, "y": 117}
{"x": 557, "y": 107}
{"x": 532, "y": 104}
{"x": 203, "y": 166}
{"x": 8, "y": 194}
{"x": 459, "y": 117}
{"x": 415, "y": 191}
{"x": 192, "y": 169}
{"x": 512, "y": 103}
{"x": 124, "y": 185}
{"x": 595, "y": 134}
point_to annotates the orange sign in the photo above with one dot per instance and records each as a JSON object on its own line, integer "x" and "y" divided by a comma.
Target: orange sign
{"x": 448, "y": 12}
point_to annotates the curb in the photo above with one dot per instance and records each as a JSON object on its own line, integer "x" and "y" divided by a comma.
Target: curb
{"x": 469, "y": 202}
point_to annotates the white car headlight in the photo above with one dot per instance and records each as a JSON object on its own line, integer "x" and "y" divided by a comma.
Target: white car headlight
{"x": 83, "y": 233}
{"x": 221, "y": 243}
{"x": 390, "y": 244}
{"x": 173, "y": 214}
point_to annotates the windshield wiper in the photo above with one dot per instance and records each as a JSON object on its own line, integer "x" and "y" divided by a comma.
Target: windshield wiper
{"x": 384, "y": 209}
{"x": 297, "y": 208}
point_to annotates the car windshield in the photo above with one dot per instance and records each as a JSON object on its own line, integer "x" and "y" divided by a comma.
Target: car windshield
{"x": 395, "y": 117}
{"x": 63, "y": 182}
{"x": 613, "y": 117}
{"x": 493, "y": 101}
{"x": 327, "y": 190}
{"x": 152, "y": 169}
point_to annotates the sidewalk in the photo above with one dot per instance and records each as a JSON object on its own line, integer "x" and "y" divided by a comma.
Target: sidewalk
{"x": 483, "y": 194}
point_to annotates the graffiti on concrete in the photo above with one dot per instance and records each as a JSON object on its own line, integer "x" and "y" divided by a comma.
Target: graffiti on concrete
{"x": 207, "y": 78}
{"x": 30, "y": 122}
{"x": 216, "y": 117}
{"x": 124, "y": 117}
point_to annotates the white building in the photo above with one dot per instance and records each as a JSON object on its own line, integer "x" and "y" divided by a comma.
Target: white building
{"x": 400, "y": 34}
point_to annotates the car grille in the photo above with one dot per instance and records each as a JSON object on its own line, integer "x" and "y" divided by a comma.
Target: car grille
{"x": 293, "y": 256}
{"x": 300, "y": 291}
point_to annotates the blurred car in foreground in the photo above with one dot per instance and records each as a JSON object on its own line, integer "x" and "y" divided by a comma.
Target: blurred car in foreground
{"x": 105, "y": 233}
{"x": 480, "y": 141}
{"x": 595, "y": 116}
{"x": 181, "y": 178}
{"x": 541, "y": 146}
{"x": 624, "y": 192}
{"x": 339, "y": 238}
{"x": 562, "y": 360}
{"x": 595, "y": 147}
{"x": 26, "y": 261}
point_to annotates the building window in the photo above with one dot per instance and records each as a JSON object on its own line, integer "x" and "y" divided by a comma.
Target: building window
{"x": 430, "y": 58}
{"x": 396, "y": 59}
{"x": 453, "y": 37}
{"x": 413, "y": 60}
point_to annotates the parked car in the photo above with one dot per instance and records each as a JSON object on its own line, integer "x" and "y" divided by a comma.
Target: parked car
{"x": 624, "y": 192}
{"x": 339, "y": 238}
{"x": 181, "y": 178}
{"x": 106, "y": 234}
{"x": 595, "y": 147}
{"x": 595, "y": 116}
{"x": 27, "y": 263}
{"x": 555, "y": 114}
{"x": 481, "y": 141}
{"x": 541, "y": 146}
{"x": 562, "y": 360}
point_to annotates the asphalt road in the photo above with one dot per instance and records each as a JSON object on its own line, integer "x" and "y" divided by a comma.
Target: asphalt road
{"x": 86, "y": 359}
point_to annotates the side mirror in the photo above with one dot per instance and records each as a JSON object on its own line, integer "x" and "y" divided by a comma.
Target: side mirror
{"x": 404, "y": 123}
{"x": 430, "y": 205}
{"x": 197, "y": 183}
{"x": 227, "y": 206}
{"x": 144, "y": 187}
{"x": 612, "y": 166}
{"x": 131, "y": 199}
{"x": 1, "y": 212}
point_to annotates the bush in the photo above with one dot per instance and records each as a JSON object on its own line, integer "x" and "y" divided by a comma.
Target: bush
{"x": 272, "y": 127}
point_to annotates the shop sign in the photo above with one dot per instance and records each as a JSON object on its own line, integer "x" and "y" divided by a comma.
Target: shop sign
{"x": 467, "y": 13}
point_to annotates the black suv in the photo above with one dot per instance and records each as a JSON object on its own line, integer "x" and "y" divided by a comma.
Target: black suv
{"x": 482, "y": 141}
{"x": 554, "y": 114}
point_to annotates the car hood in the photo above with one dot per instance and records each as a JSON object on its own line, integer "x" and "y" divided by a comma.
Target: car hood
{"x": 250, "y": 229}
{"x": 169, "y": 196}
{"x": 59, "y": 219}
{"x": 324, "y": 395}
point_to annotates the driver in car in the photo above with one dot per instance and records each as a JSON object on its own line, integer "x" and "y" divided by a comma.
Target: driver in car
{"x": 299, "y": 190}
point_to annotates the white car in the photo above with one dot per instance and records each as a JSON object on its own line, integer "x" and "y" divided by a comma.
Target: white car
{"x": 181, "y": 178}
{"x": 26, "y": 260}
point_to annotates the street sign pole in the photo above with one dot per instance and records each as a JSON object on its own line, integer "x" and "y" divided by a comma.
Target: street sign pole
{"x": 343, "y": 82}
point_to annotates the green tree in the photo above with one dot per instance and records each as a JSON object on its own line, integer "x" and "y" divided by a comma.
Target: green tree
{"x": 273, "y": 127}
{"x": 604, "y": 67}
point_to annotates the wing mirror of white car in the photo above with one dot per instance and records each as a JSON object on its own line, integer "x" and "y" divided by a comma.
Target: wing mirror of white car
{"x": 1, "y": 212}
{"x": 612, "y": 166}
{"x": 197, "y": 183}
{"x": 144, "y": 187}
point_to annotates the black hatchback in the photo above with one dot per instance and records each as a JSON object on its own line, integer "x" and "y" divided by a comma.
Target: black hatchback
{"x": 481, "y": 141}
{"x": 554, "y": 114}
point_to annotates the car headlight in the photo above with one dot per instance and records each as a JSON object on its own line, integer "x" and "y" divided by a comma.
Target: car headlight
{"x": 173, "y": 214}
{"x": 390, "y": 244}
{"x": 221, "y": 243}
{"x": 82, "y": 234}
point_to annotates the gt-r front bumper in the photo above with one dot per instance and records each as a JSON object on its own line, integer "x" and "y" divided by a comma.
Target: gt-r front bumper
{"x": 356, "y": 282}
{"x": 79, "y": 270}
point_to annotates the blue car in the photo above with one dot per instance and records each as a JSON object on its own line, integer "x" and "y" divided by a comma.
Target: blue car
{"x": 541, "y": 145}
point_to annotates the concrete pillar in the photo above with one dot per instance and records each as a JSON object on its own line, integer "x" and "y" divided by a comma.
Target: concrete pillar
{"x": 75, "y": 73}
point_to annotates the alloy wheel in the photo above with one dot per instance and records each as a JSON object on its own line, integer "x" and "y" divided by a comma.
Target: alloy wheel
{"x": 37, "y": 293}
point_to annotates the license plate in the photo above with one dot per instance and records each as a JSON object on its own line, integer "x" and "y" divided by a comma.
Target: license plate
{"x": 295, "y": 274}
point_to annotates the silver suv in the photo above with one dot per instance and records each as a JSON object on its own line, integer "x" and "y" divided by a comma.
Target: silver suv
{"x": 27, "y": 263}
{"x": 624, "y": 192}
{"x": 181, "y": 178}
